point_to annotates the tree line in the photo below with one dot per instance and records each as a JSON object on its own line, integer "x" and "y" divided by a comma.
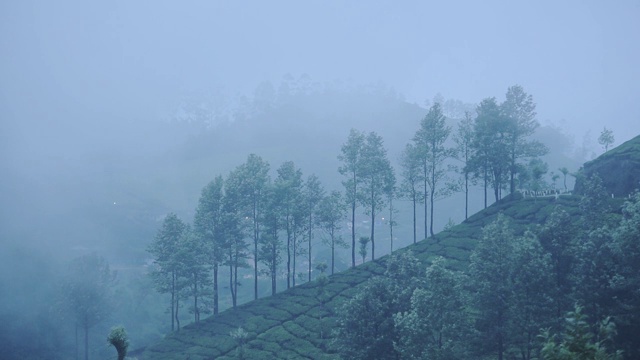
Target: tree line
{"x": 250, "y": 220}
{"x": 565, "y": 289}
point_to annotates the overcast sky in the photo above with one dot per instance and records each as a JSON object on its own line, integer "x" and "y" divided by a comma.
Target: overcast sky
{"x": 69, "y": 63}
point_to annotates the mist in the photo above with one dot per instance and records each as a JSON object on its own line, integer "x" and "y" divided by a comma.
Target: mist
{"x": 113, "y": 115}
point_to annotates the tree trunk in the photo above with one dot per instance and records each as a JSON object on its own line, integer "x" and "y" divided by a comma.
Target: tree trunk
{"x": 235, "y": 282}
{"x": 196, "y": 317}
{"x": 512, "y": 170}
{"x": 231, "y": 289}
{"x": 485, "y": 186}
{"x": 353, "y": 224}
{"x": 333, "y": 251}
{"x": 177, "y": 309}
{"x": 431, "y": 218}
{"x": 373, "y": 226}
{"x": 273, "y": 270}
{"x": 86, "y": 339}
{"x": 295, "y": 252}
{"x": 391, "y": 223}
{"x": 173, "y": 299}
{"x": 288, "y": 254}
{"x": 466, "y": 196}
{"x": 426, "y": 234}
{"x": 310, "y": 233}
{"x": 414, "y": 218}
{"x": 255, "y": 250}
{"x": 215, "y": 287}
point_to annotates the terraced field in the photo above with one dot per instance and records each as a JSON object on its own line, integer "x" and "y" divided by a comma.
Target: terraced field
{"x": 297, "y": 323}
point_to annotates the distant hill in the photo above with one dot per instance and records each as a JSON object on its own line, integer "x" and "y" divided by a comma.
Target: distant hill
{"x": 619, "y": 169}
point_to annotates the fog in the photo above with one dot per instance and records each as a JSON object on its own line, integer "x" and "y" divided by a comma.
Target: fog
{"x": 93, "y": 97}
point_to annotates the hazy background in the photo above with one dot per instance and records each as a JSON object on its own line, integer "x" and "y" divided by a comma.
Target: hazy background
{"x": 97, "y": 101}
{"x": 81, "y": 83}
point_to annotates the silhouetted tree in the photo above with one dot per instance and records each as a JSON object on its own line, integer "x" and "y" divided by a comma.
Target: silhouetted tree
{"x": 166, "y": 274}
{"x": 519, "y": 111}
{"x": 429, "y": 142}
{"x": 464, "y": 147}
{"x": 87, "y": 293}
{"x": 377, "y": 180}
{"x": 119, "y": 339}
{"x": 409, "y": 188}
{"x": 606, "y": 139}
{"x": 313, "y": 195}
{"x": 254, "y": 176}
{"x": 207, "y": 225}
{"x": 234, "y": 226}
{"x": 490, "y": 157}
{"x": 351, "y": 168}
{"x": 331, "y": 212}
{"x": 288, "y": 189}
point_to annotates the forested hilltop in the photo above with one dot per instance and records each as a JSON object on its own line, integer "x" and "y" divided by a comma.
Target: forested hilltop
{"x": 297, "y": 185}
{"x": 498, "y": 285}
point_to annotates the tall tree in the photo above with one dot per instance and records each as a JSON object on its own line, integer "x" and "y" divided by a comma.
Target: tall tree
{"x": 254, "y": 179}
{"x": 234, "y": 226}
{"x": 86, "y": 290}
{"x": 464, "y": 147}
{"x": 331, "y": 212}
{"x": 391, "y": 193}
{"x": 207, "y": 225}
{"x": 556, "y": 236}
{"x": 520, "y": 112}
{"x": 606, "y": 139}
{"x": 409, "y": 187}
{"x": 365, "y": 327}
{"x": 313, "y": 195}
{"x": 489, "y": 269}
{"x": 564, "y": 172}
{"x": 511, "y": 289}
{"x": 532, "y": 288}
{"x": 430, "y": 141}
{"x": 271, "y": 244}
{"x": 437, "y": 325}
{"x": 193, "y": 257}
{"x": 288, "y": 186}
{"x": 377, "y": 180}
{"x": 166, "y": 273}
{"x": 351, "y": 168}
{"x": 490, "y": 157}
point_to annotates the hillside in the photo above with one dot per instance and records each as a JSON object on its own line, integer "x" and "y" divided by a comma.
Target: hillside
{"x": 292, "y": 324}
{"x": 296, "y": 323}
{"x": 619, "y": 169}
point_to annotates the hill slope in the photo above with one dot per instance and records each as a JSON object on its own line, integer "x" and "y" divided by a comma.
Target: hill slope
{"x": 295, "y": 323}
{"x": 619, "y": 169}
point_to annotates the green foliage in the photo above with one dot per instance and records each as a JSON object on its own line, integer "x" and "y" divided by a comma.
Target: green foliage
{"x": 351, "y": 168}
{"x": 297, "y": 322}
{"x": 119, "y": 339}
{"x": 510, "y": 289}
{"x": 519, "y": 110}
{"x": 578, "y": 342}
{"x": 429, "y": 143}
{"x": 330, "y": 213}
{"x": 362, "y": 250}
{"x": 437, "y": 325}
{"x": 378, "y": 180}
{"x": 606, "y": 139}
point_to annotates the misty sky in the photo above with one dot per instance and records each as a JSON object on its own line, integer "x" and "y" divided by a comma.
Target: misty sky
{"x": 67, "y": 67}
